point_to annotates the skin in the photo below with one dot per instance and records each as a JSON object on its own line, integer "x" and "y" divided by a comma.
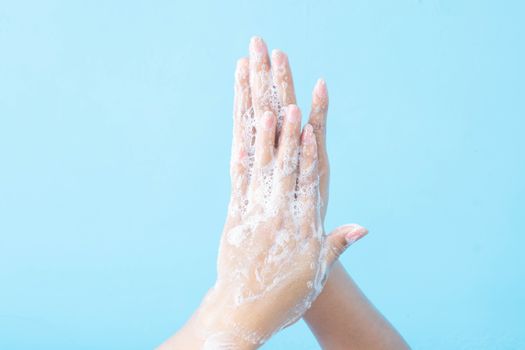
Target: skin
{"x": 343, "y": 318}
{"x": 262, "y": 213}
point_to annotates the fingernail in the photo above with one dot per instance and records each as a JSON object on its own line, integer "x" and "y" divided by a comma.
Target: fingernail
{"x": 278, "y": 57}
{"x": 293, "y": 114}
{"x": 356, "y": 233}
{"x": 257, "y": 46}
{"x": 308, "y": 134}
{"x": 268, "y": 120}
{"x": 320, "y": 89}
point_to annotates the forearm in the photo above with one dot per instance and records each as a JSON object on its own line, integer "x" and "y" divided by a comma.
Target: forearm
{"x": 343, "y": 318}
{"x": 191, "y": 337}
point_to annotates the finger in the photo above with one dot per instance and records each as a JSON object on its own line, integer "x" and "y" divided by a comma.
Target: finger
{"x": 240, "y": 144}
{"x": 318, "y": 115}
{"x": 283, "y": 82}
{"x": 264, "y": 146}
{"x": 282, "y": 78}
{"x": 241, "y": 109}
{"x": 285, "y": 173}
{"x": 260, "y": 186}
{"x": 308, "y": 180}
{"x": 341, "y": 238}
{"x": 260, "y": 77}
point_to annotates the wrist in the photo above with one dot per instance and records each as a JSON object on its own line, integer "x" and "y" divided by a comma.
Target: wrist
{"x": 213, "y": 326}
{"x": 219, "y": 321}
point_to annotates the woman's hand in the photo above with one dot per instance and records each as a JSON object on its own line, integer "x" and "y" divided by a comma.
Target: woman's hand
{"x": 274, "y": 256}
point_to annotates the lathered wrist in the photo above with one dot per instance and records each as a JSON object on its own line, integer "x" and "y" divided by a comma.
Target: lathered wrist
{"x": 219, "y": 322}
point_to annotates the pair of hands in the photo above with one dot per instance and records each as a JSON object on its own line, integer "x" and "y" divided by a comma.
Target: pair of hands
{"x": 274, "y": 255}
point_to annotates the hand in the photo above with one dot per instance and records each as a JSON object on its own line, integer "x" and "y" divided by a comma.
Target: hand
{"x": 274, "y": 256}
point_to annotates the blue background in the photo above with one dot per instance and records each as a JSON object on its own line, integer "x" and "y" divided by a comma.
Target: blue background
{"x": 115, "y": 131}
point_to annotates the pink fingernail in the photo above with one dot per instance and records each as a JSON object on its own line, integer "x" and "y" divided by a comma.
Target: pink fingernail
{"x": 356, "y": 233}
{"x": 293, "y": 114}
{"x": 268, "y": 120}
{"x": 278, "y": 57}
{"x": 308, "y": 134}
{"x": 320, "y": 89}
{"x": 257, "y": 46}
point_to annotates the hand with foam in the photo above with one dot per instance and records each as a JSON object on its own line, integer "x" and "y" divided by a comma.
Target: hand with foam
{"x": 274, "y": 255}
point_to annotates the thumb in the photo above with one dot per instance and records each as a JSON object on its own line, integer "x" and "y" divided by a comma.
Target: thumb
{"x": 341, "y": 238}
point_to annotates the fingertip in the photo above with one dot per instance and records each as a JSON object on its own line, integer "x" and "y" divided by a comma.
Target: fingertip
{"x": 293, "y": 113}
{"x": 320, "y": 88}
{"x": 241, "y": 70}
{"x": 242, "y": 62}
{"x": 257, "y": 46}
{"x": 354, "y": 233}
{"x": 278, "y": 57}
{"x": 268, "y": 120}
{"x": 320, "y": 93}
{"x": 255, "y": 38}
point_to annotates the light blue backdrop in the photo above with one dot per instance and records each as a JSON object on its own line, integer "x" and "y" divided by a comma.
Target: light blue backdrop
{"x": 115, "y": 127}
